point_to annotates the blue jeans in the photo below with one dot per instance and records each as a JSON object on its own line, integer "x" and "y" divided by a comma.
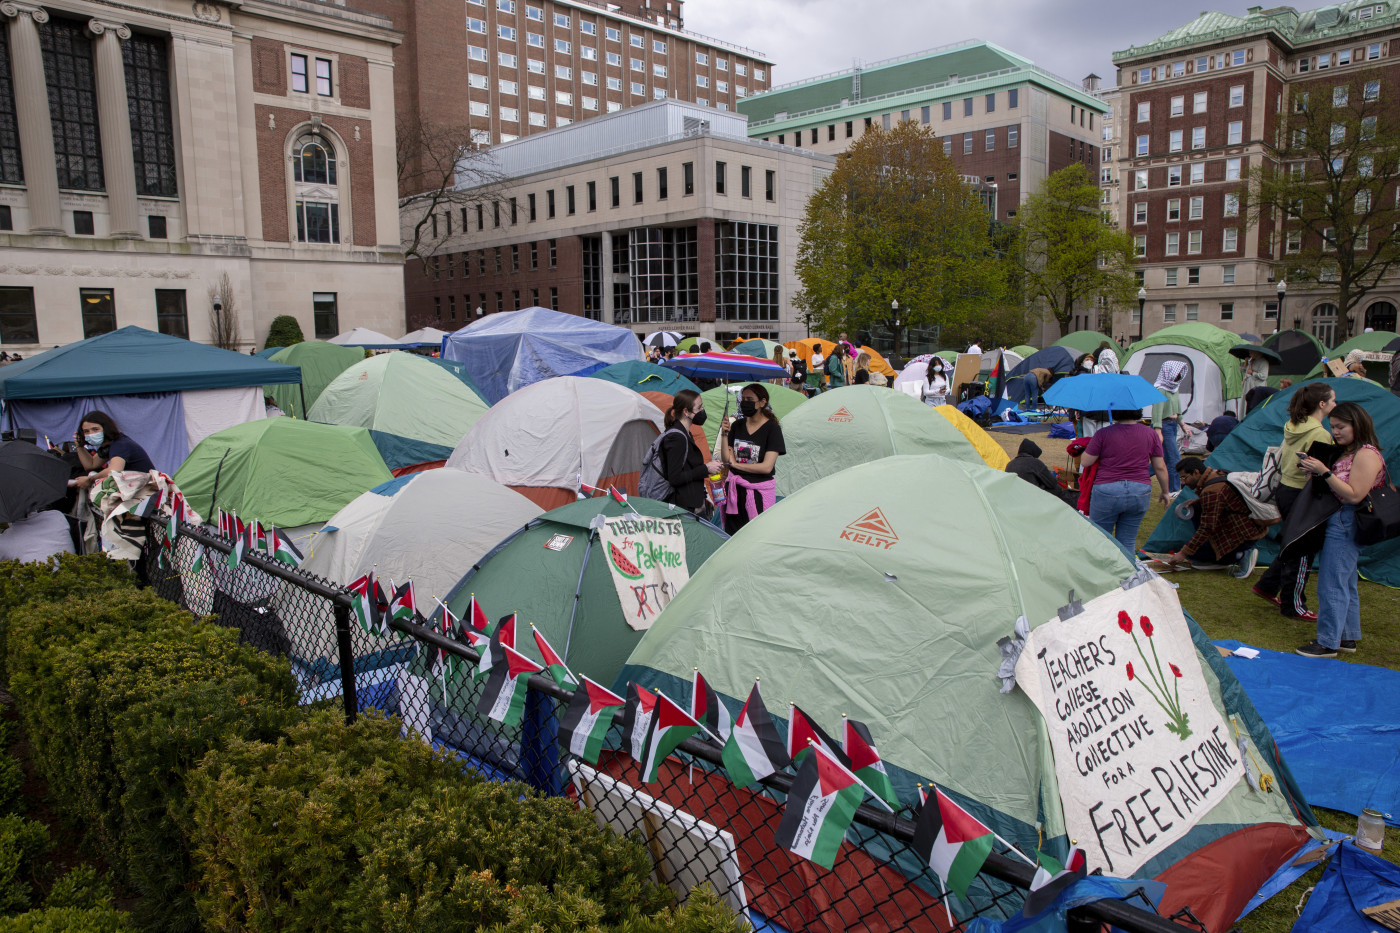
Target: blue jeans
{"x": 1118, "y": 509}
{"x": 1032, "y": 389}
{"x": 1338, "y": 599}
{"x": 1171, "y": 453}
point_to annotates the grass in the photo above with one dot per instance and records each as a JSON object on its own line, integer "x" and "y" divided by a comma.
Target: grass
{"x": 1226, "y": 609}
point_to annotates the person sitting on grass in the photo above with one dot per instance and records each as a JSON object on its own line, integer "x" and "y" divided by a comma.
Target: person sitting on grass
{"x": 1227, "y": 534}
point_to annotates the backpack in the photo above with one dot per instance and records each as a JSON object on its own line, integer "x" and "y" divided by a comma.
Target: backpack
{"x": 1266, "y": 485}
{"x": 652, "y": 484}
{"x": 799, "y": 369}
{"x": 1265, "y": 513}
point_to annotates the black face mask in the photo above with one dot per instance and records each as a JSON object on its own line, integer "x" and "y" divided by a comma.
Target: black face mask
{"x": 747, "y": 408}
{"x": 698, "y": 419}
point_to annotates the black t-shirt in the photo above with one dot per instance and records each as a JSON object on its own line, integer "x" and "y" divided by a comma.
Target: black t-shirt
{"x": 134, "y": 457}
{"x": 752, "y": 448}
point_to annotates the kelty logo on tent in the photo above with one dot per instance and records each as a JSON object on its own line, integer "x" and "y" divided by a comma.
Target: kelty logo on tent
{"x": 842, "y": 415}
{"x": 871, "y": 528}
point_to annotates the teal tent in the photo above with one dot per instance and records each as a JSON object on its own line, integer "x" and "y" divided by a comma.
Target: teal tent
{"x": 319, "y": 362}
{"x": 1244, "y": 450}
{"x": 644, "y": 377}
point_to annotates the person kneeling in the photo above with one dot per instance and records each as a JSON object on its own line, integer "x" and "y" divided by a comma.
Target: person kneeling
{"x": 1226, "y": 534}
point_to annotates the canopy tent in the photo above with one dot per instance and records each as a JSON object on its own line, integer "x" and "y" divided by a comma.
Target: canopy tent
{"x": 959, "y": 553}
{"x": 554, "y": 571}
{"x": 166, "y": 393}
{"x": 1299, "y": 350}
{"x": 281, "y": 471}
{"x": 366, "y": 339}
{"x": 415, "y": 411}
{"x": 782, "y": 400}
{"x": 319, "y": 362}
{"x": 992, "y": 453}
{"x": 547, "y": 438}
{"x": 1212, "y": 382}
{"x": 506, "y": 352}
{"x": 644, "y": 377}
{"x": 1244, "y": 450}
{"x": 1372, "y": 342}
{"x": 423, "y": 337}
{"x": 1087, "y": 341}
{"x": 857, "y": 424}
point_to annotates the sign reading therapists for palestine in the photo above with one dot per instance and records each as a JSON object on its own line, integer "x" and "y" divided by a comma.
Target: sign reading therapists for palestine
{"x": 646, "y": 559}
{"x": 1141, "y": 751}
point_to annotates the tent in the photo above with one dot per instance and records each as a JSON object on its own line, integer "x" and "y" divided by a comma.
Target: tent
{"x": 320, "y": 362}
{"x": 367, "y": 339}
{"x": 992, "y": 453}
{"x": 423, "y": 337}
{"x": 1059, "y": 360}
{"x": 415, "y": 411}
{"x": 878, "y": 364}
{"x": 806, "y": 345}
{"x": 548, "y": 437}
{"x": 640, "y": 376}
{"x": 1299, "y": 350}
{"x": 782, "y": 399}
{"x": 1087, "y": 341}
{"x": 698, "y": 345}
{"x": 1011, "y": 359}
{"x": 167, "y": 393}
{"x": 756, "y": 346}
{"x": 1212, "y": 382}
{"x": 1023, "y": 350}
{"x": 857, "y": 424}
{"x": 1244, "y": 450}
{"x": 458, "y": 371}
{"x": 1372, "y": 342}
{"x": 555, "y": 571}
{"x": 886, "y": 589}
{"x": 507, "y": 352}
{"x": 281, "y": 471}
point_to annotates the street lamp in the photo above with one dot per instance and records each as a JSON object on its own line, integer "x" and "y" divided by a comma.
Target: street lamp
{"x": 1142, "y": 302}
{"x": 1282, "y": 291}
{"x": 894, "y": 311}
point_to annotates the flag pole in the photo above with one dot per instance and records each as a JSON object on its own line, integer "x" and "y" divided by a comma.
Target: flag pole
{"x": 1019, "y": 854}
{"x": 944, "y": 888}
{"x": 863, "y": 785}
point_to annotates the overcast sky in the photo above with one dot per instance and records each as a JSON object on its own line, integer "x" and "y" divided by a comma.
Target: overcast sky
{"x": 1071, "y": 38}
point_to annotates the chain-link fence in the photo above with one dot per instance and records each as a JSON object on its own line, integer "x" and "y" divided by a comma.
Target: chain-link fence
{"x": 697, "y": 825}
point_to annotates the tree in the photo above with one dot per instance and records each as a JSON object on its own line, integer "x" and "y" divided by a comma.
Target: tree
{"x": 443, "y": 178}
{"x": 284, "y": 332}
{"x": 895, "y": 222}
{"x": 1069, "y": 255}
{"x": 223, "y": 314}
{"x": 1327, "y": 194}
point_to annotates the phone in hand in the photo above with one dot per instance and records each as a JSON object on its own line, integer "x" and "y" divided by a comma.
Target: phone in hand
{"x": 1302, "y": 454}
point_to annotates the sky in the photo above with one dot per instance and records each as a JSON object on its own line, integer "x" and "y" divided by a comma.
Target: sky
{"x": 1070, "y": 38}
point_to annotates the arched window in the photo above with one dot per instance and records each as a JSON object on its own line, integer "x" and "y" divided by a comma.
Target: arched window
{"x": 314, "y": 163}
{"x": 1324, "y": 324}
{"x": 317, "y": 194}
{"x": 1381, "y": 316}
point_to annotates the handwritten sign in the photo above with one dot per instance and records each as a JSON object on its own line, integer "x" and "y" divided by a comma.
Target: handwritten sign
{"x": 1141, "y": 751}
{"x": 646, "y": 559}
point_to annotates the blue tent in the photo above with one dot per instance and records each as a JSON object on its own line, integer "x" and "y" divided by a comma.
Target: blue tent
{"x": 1262, "y": 429}
{"x": 1055, "y": 359}
{"x": 506, "y": 352}
{"x": 645, "y": 377}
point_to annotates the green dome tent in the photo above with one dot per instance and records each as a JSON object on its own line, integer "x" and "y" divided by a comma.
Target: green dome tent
{"x": 644, "y": 377}
{"x": 857, "y": 424}
{"x": 1374, "y": 342}
{"x": 1024, "y": 350}
{"x": 1212, "y": 382}
{"x": 320, "y": 362}
{"x": 783, "y": 400}
{"x": 763, "y": 349}
{"x": 415, "y": 411}
{"x": 1087, "y": 341}
{"x": 281, "y": 471}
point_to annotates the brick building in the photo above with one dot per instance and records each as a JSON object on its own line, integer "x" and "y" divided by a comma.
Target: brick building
{"x": 1198, "y": 109}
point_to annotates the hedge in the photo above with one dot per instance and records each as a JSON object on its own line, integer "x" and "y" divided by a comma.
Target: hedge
{"x": 44, "y": 582}
{"x": 284, "y": 331}
{"x": 22, "y": 842}
{"x": 68, "y": 920}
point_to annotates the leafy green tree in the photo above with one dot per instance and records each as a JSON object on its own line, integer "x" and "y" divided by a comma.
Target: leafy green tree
{"x": 284, "y": 332}
{"x": 895, "y": 222}
{"x": 1326, "y": 197}
{"x": 1069, "y": 256}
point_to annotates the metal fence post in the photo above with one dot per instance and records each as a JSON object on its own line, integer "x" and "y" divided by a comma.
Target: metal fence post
{"x": 347, "y": 661}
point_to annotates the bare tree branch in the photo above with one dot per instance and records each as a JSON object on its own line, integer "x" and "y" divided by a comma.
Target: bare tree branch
{"x": 444, "y": 178}
{"x": 223, "y": 313}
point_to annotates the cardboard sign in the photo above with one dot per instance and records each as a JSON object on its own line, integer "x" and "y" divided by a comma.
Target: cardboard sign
{"x": 646, "y": 560}
{"x": 967, "y": 369}
{"x": 1141, "y": 751}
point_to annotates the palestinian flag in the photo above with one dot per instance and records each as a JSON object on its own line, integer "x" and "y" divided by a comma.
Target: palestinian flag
{"x": 363, "y": 603}
{"x": 284, "y": 550}
{"x": 618, "y": 495}
{"x": 866, "y": 763}
{"x": 442, "y": 621}
{"x": 802, "y": 732}
{"x": 641, "y": 704}
{"x": 586, "y": 491}
{"x": 587, "y": 719}
{"x": 504, "y": 697}
{"x": 503, "y": 636}
{"x": 476, "y": 616}
{"x": 708, "y": 708}
{"x": 952, "y": 842}
{"x": 820, "y": 806}
{"x": 554, "y": 665}
{"x": 670, "y": 726}
{"x": 222, "y": 521}
{"x": 754, "y": 750}
{"x": 403, "y": 607}
{"x": 1051, "y": 878}
{"x": 240, "y": 542}
{"x": 198, "y": 564}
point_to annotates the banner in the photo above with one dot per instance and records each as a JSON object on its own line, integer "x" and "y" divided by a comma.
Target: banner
{"x": 1141, "y": 751}
{"x": 646, "y": 558}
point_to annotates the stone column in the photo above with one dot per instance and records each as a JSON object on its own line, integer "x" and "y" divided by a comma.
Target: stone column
{"x": 32, "y": 116}
{"x": 114, "y": 124}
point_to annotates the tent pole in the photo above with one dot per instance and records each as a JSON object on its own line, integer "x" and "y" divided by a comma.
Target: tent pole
{"x": 214, "y": 496}
{"x": 578, "y": 592}
{"x": 301, "y": 387}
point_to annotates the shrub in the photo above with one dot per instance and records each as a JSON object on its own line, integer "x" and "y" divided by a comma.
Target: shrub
{"x": 41, "y": 582}
{"x": 68, "y": 920}
{"x": 11, "y": 774}
{"x": 82, "y": 888}
{"x": 284, "y": 331}
{"x": 22, "y": 842}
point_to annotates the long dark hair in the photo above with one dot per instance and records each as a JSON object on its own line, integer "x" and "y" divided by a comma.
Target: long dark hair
{"x": 763, "y": 406}
{"x": 935, "y": 361}
{"x": 1305, "y": 401}
{"x": 110, "y": 431}
{"x": 680, "y": 405}
{"x": 1363, "y": 430}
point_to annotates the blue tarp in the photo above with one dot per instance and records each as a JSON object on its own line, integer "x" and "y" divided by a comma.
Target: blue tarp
{"x": 1337, "y": 728}
{"x": 1353, "y": 880}
{"x": 506, "y": 352}
{"x": 133, "y": 360}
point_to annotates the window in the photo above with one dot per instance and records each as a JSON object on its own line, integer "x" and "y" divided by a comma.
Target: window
{"x": 1169, "y": 313}
{"x": 317, "y": 205}
{"x": 1173, "y": 141}
{"x": 1173, "y": 244}
{"x": 613, "y": 35}
{"x": 1368, "y": 127}
{"x": 1140, "y": 179}
{"x": 563, "y": 72}
{"x": 590, "y": 103}
{"x": 300, "y": 81}
{"x": 1227, "y": 311}
{"x": 1362, "y": 240}
{"x": 155, "y": 224}
{"x": 67, "y": 52}
{"x": 722, "y": 87}
{"x": 722, "y": 64}
{"x": 99, "y": 311}
{"x": 1174, "y": 176}
{"x": 563, "y": 45}
{"x": 1193, "y": 275}
{"x": 658, "y": 46}
{"x": 1171, "y": 277}
{"x": 1193, "y": 242}
{"x": 990, "y": 143}
{"x": 719, "y": 177}
{"x": 1198, "y": 102}
{"x": 538, "y": 119}
{"x": 325, "y": 315}
{"x": 1140, "y": 212}
{"x": 18, "y": 322}
{"x": 1232, "y": 205}
{"x": 1237, "y": 96}
{"x": 702, "y": 81}
{"x": 147, "y": 67}
{"x": 1193, "y": 312}
{"x": 1232, "y": 169}
{"x": 615, "y": 59}
{"x": 770, "y": 185}
{"x": 323, "y": 77}
{"x": 505, "y": 32}
{"x": 947, "y": 146}
{"x": 476, "y": 53}
{"x": 1373, "y": 51}
{"x": 1339, "y": 96}
{"x": 1237, "y": 57}
{"x": 1140, "y": 245}
{"x": 508, "y": 87}
{"x": 564, "y": 98}
{"x": 1293, "y": 242}
{"x": 1234, "y": 133}
{"x": 1174, "y": 209}
{"x": 1142, "y": 145}
{"x": 1270, "y": 310}
{"x": 1178, "y": 106}
{"x": 967, "y": 106}
{"x": 590, "y": 78}
{"x": 1329, "y": 238}
{"x": 614, "y": 84}
{"x": 1338, "y": 134}
{"x": 1013, "y": 98}
{"x": 661, "y": 191}
{"x": 507, "y": 60}
{"x": 1372, "y": 90}
{"x": 1196, "y": 208}
{"x": 1344, "y": 57}
{"x": 588, "y": 29}
{"x": 991, "y": 103}
{"x": 569, "y": 199}
{"x": 510, "y": 114}
{"x": 745, "y": 179}
{"x": 1013, "y": 137}
{"x": 637, "y": 42}
{"x": 967, "y": 143}
{"x": 1198, "y": 137}
{"x": 1198, "y": 173}
{"x": 477, "y": 81}
{"x": 1144, "y": 111}
{"x": 535, "y": 93}
{"x": 1144, "y": 75}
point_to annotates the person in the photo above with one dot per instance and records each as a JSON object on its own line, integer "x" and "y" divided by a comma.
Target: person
{"x": 1165, "y": 415}
{"x": 1036, "y": 381}
{"x": 1105, "y": 359}
{"x": 814, "y": 370}
{"x": 1226, "y": 533}
{"x": 797, "y": 366}
{"x": 861, "y": 365}
{"x": 836, "y": 367}
{"x": 1358, "y": 471}
{"x": 780, "y": 359}
{"x": 1028, "y": 465}
{"x": 1258, "y": 396}
{"x": 934, "y": 390}
{"x": 271, "y": 409}
{"x": 1128, "y": 453}
{"x": 974, "y": 347}
{"x": 1084, "y": 363}
{"x": 1394, "y": 376}
{"x": 1256, "y": 372}
{"x": 1218, "y": 430}
{"x": 751, "y": 445}
{"x": 682, "y": 463}
{"x": 1284, "y": 582}
{"x": 104, "y": 449}
{"x": 38, "y": 536}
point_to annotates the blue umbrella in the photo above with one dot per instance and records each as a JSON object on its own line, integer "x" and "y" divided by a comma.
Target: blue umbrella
{"x": 725, "y": 366}
{"x": 1103, "y": 392}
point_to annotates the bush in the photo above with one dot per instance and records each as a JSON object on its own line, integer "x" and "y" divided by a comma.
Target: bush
{"x": 68, "y": 920}
{"x": 11, "y": 774}
{"x": 22, "y": 842}
{"x": 284, "y": 331}
{"x": 41, "y": 582}
{"x": 82, "y": 888}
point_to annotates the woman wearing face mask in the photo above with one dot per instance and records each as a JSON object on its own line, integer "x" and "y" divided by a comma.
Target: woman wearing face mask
{"x": 684, "y": 467}
{"x": 104, "y": 449}
{"x": 752, "y": 445}
{"x": 935, "y": 388}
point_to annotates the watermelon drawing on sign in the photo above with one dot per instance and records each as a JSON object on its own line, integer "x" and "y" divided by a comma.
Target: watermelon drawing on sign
{"x": 624, "y": 566}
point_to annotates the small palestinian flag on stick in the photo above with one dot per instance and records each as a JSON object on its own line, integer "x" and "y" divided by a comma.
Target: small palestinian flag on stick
{"x": 403, "y": 607}
{"x": 618, "y": 495}
{"x": 587, "y": 719}
{"x": 1051, "y": 878}
{"x": 504, "y": 697}
{"x": 670, "y": 726}
{"x": 803, "y": 732}
{"x": 865, "y": 761}
{"x": 708, "y": 709}
{"x": 476, "y": 616}
{"x": 502, "y": 637}
{"x": 240, "y": 541}
{"x": 553, "y": 664}
{"x": 198, "y": 564}
{"x": 445, "y": 624}
{"x": 754, "y": 749}
{"x": 641, "y": 705}
{"x": 820, "y": 806}
{"x": 951, "y": 842}
{"x": 586, "y": 491}
{"x": 284, "y": 550}
{"x": 363, "y": 603}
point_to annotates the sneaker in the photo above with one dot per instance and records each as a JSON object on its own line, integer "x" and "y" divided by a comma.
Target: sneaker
{"x": 1245, "y": 567}
{"x": 1307, "y": 615}
{"x": 1314, "y": 650}
{"x": 1262, "y": 595}
{"x": 1348, "y": 646}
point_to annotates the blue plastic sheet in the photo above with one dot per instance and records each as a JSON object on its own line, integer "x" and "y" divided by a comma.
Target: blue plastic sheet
{"x": 1353, "y": 880}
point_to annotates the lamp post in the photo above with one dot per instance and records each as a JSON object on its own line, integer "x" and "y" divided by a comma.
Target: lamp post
{"x": 1142, "y": 302}
{"x": 894, "y": 312}
{"x": 1282, "y": 292}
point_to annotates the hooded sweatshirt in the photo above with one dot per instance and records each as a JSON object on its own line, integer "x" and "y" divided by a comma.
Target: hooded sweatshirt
{"x": 1026, "y": 464}
{"x": 1298, "y": 437}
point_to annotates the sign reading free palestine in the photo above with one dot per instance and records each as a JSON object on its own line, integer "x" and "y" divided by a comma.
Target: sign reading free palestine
{"x": 1141, "y": 751}
{"x": 646, "y": 560}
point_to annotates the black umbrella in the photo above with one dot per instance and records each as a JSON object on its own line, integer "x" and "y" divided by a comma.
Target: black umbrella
{"x": 1242, "y": 350}
{"x": 29, "y": 479}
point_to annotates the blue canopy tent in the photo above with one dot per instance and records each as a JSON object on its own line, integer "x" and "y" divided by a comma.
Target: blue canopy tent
{"x": 505, "y": 352}
{"x": 166, "y": 392}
